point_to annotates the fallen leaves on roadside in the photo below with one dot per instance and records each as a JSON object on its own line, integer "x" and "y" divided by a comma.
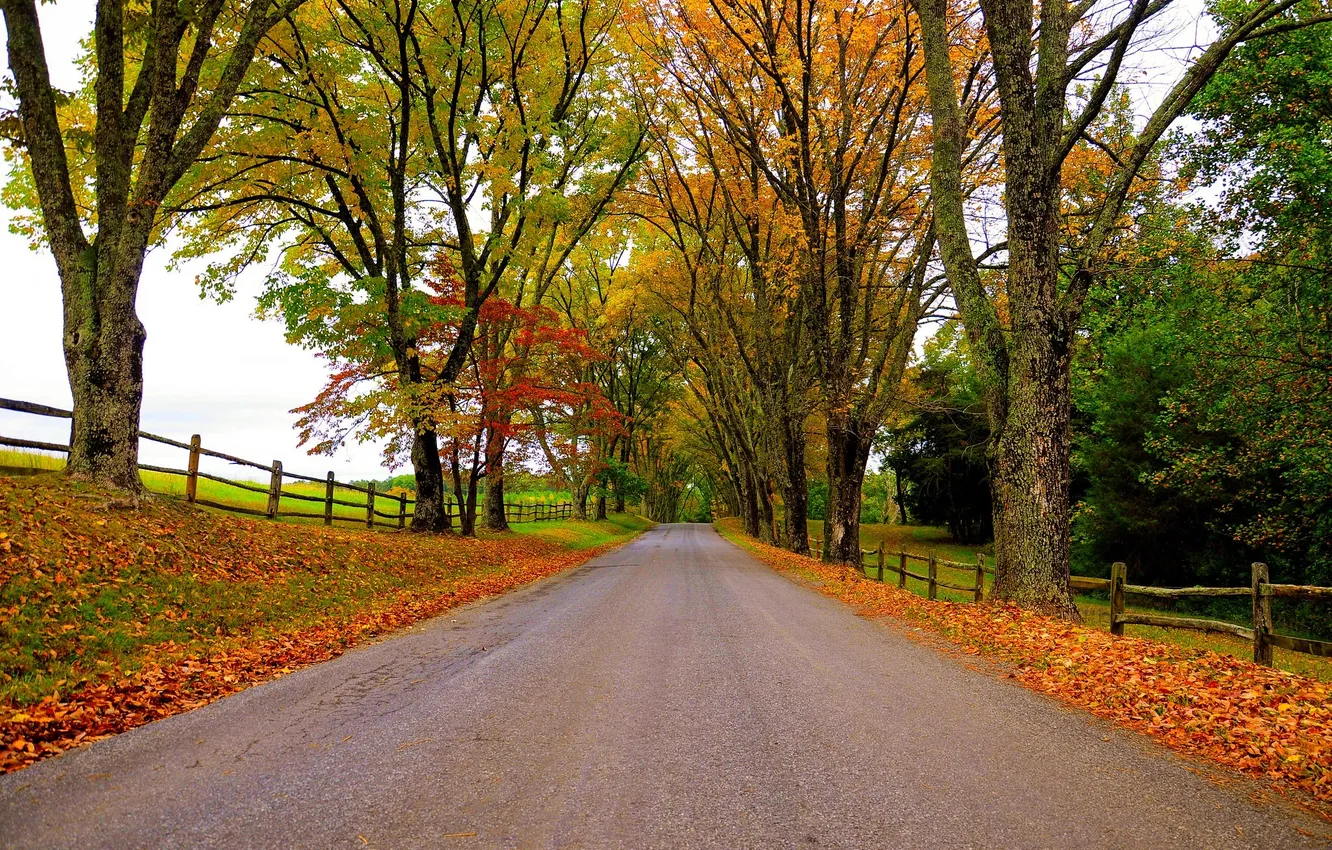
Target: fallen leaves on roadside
{"x": 81, "y": 594}
{"x": 1266, "y": 723}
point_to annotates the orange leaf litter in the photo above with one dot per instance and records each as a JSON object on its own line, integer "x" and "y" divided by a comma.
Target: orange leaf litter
{"x": 1266, "y": 723}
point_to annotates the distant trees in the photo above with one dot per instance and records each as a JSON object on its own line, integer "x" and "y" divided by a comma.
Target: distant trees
{"x": 792, "y": 184}
{"x": 938, "y": 453}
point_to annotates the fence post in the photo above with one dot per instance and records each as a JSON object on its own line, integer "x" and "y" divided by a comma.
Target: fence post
{"x": 192, "y": 480}
{"x": 1262, "y": 617}
{"x": 882, "y": 574}
{"x": 901, "y": 568}
{"x": 275, "y": 490}
{"x": 1118, "y": 575}
{"x": 980, "y": 577}
{"x": 934, "y": 576}
{"x": 370, "y": 506}
{"x": 402, "y": 510}
{"x": 328, "y": 500}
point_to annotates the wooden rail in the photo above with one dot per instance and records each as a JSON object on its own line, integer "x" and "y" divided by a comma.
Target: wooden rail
{"x": 876, "y": 565}
{"x": 274, "y": 490}
{"x": 878, "y": 569}
{"x": 1260, "y": 591}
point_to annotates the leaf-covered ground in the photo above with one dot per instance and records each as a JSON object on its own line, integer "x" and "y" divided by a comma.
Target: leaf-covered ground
{"x": 111, "y": 618}
{"x": 1268, "y": 724}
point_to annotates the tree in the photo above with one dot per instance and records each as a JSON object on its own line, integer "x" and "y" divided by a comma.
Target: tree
{"x": 106, "y": 161}
{"x": 597, "y": 297}
{"x": 938, "y": 452}
{"x": 813, "y": 113}
{"x": 1022, "y": 332}
{"x": 492, "y": 133}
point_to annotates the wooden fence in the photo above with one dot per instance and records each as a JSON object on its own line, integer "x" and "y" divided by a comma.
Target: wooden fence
{"x": 395, "y": 517}
{"x": 1260, "y": 593}
{"x": 876, "y": 565}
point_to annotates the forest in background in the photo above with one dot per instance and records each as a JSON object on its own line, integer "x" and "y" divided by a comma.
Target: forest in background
{"x": 774, "y": 260}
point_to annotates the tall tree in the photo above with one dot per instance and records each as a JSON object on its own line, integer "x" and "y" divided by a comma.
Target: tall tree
{"x": 1021, "y": 333}
{"x": 161, "y": 79}
{"x": 488, "y": 133}
{"x": 822, "y": 106}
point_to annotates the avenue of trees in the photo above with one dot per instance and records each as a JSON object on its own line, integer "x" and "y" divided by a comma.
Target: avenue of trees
{"x": 932, "y": 260}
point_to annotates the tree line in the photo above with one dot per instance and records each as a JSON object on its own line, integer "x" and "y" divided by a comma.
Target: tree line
{"x": 681, "y": 252}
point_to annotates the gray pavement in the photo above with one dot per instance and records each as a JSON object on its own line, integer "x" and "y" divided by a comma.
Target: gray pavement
{"x": 673, "y": 693}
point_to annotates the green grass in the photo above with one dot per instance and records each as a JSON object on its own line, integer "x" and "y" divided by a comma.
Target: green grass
{"x": 921, "y": 540}
{"x": 573, "y": 534}
{"x": 225, "y": 494}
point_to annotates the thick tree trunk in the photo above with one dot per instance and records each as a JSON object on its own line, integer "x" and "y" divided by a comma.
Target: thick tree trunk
{"x": 749, "y": 510}
{"x": 429, "y": 514}
{"x": 767, "y": 517}
{"x": 601, "y": 507}
{"x": 103, "y": 344}
{"x": 795, "y": 489}
{"x": 848, "y": 452}
{"x": 495, "y": 517}
{"x": 1030, "y": 480}
{"x": 580, "y": 499}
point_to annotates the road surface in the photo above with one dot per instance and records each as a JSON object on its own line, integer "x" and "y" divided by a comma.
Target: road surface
{"x": 673, "y": 693}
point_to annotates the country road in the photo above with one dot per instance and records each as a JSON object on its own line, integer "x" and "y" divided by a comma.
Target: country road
{"x": 673, "y": 693}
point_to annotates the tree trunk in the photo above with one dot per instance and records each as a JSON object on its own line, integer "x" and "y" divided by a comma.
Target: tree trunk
{"x": 466, "y": 499}
{"x": 848, "y": 452}
{"x": 619, "y": 493}
{"x": 767, "y": 517}
{"x": 1030, "y": 481}
{"x": 749, "y": 511}
{"x": 495, "y": 517}
{"x": 795, "y": 489}
{"x": 580, "y": 499}
{"x": 103, "y": 344}
{"x": 467, "y": 514}
{"x": 429, "y": 514}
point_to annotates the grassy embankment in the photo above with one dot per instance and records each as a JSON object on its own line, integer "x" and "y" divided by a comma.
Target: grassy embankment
{"x": 1095, "y": 609}
{"x": 135, "y": 614}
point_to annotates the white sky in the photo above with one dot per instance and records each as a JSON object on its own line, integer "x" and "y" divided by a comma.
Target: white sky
{"x": 209, "y": 369}
{"x": 214, "y": 369}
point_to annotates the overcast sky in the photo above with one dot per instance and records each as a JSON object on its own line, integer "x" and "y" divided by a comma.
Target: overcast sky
{"x": 214, "y": 369}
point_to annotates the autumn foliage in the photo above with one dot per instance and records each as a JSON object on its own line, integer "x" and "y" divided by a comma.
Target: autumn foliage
{"x": 1266, "y": 723}
{"x": 114, "y": 618}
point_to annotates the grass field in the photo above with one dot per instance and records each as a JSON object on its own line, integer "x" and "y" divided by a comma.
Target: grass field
{"x": 1095, "y": 610}
{"x": 214, "y": 491}
{"x": 921, "y": 540}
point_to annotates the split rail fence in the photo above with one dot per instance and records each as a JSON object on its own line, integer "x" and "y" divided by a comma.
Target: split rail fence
{"x": 397, "y": 515}
{"x": 876, "y": 565}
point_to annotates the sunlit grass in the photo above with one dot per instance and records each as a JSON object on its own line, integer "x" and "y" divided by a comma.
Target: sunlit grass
{"x": 226, "y": 494}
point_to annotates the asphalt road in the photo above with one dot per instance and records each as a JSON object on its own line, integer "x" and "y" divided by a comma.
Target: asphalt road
{"x": 673, "y": 693}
